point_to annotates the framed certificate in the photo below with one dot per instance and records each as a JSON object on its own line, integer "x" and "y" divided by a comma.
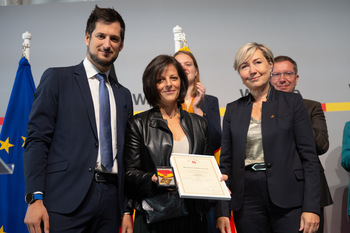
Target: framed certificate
{"x": 198, "y": 176}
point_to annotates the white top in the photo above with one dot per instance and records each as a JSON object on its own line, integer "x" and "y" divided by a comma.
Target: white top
{"x": 182, "y": 146}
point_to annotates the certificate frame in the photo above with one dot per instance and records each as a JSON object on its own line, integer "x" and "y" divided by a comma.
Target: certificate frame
{"x": 198, "y": 176}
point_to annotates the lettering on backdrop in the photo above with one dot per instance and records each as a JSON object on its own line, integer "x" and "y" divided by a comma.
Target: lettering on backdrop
{"x": 139, "y": 99}
{"x": 245, "y": 93}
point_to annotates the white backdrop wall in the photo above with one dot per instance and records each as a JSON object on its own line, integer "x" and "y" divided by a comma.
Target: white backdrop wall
{"x": 315, "y": 33}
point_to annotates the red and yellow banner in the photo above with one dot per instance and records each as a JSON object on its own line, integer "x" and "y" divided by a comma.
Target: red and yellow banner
{"x": 327, "y": 107}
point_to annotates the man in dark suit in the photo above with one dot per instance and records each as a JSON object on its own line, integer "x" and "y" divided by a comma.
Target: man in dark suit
{"x": 73, "y": 159}
{"x": 284, "y": 78}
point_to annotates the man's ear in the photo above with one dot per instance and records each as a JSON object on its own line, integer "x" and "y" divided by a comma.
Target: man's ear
{"x": 271, "y": 67}
{"x": 121, "y": 46}
{"x": 87, "y": 39}
{"x": 296, "y": 79}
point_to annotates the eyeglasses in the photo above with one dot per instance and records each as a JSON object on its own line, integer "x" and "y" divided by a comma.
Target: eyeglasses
{"x": 287, "y": 75}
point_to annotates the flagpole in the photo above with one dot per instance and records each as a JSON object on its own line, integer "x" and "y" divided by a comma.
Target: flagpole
{"x": 26, "y": 44}
{"x": 12, "y": 138}
{"x": 178, "y": 37}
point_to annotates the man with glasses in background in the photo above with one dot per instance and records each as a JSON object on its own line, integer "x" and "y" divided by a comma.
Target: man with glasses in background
{"x": 284, "y": 78}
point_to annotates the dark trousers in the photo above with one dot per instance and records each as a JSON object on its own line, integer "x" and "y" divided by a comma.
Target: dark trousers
{"x": 98, "y": 213}
{"x": 259, "y": 214}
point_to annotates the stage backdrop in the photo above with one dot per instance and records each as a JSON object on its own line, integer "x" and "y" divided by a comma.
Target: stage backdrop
{"x": 315, "y": 33}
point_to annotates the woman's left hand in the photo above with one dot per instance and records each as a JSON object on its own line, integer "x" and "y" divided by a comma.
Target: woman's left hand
{"x": 126, "y": 226}
{"x": 198, "y": 99}
{"x": 309, "y": 222}
{"x": 225, "y": 178}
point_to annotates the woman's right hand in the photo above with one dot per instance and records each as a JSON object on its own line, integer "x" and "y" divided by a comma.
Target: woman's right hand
{"x": 154, "y": 178}
{"x": 223, "y": 224}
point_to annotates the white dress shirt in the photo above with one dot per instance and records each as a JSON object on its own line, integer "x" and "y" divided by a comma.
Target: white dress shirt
{"x": 94, "y": 83}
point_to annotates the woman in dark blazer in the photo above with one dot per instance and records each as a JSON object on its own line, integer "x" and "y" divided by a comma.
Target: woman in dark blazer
{"x": 153, "y": 135}
{"x": 268, "y": 154}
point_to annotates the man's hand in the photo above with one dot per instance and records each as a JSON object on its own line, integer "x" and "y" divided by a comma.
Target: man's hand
{"x": 223, "y": 224}
{"x": 127, "y": 224}
{"x": 37, "y": 214}
{"x": 309, "y": 222}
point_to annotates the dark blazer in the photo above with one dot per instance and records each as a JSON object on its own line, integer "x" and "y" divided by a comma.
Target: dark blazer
{"x": 289, "y": 152}
{"x": 319, "y": 128}
{"x": 62, "y": 144}
{"x": 211, "y": 112}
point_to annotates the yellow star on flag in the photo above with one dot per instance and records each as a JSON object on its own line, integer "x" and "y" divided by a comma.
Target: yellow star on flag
{"x": 24, "y": 142}
{"x": 5, "y": 145}
{"x": 2, "y": 229}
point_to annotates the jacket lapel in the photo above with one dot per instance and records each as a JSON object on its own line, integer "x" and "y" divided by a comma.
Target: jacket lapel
{"x": 82, "y": 81}
{"x": 157, "y": 120}
{"x": 269, "y": 113}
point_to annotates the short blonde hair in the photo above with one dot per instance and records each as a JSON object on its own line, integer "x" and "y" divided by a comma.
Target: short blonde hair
{"x": 245, "y": 52}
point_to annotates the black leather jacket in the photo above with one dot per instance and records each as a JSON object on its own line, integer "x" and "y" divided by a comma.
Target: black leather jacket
{"x": 149, "y": 143}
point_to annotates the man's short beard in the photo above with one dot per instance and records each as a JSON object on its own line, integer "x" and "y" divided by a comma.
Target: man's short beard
{"x": 98, "y": 61}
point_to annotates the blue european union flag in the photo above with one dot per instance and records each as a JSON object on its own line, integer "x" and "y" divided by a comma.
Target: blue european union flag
{"x": 12, "y": 138}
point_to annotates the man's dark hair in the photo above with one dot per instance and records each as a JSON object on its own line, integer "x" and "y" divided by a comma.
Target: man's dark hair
{"x": 286, "y": 58}
{"x": 151, "y": 74}
{"x": 108, "y": 15}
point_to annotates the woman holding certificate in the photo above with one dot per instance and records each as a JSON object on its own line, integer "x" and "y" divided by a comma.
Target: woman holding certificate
{"x": 151, "y": 137}
{"x": 268, "y": 154}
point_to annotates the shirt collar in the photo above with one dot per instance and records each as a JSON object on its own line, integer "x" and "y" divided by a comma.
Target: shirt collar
{"x": 91, "y": 70}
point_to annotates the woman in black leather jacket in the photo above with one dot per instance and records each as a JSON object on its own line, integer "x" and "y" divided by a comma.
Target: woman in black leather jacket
{"x": 153, "y": 135}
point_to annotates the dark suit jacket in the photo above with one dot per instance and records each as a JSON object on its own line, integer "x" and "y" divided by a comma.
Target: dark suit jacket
{"x": 289, "y": 152}
{"x": 319, "y": 128}
{"x": 62, "y": 143}
{"x": 211, "y": 112}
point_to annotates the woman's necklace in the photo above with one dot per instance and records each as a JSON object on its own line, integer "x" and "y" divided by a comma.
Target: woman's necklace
{"x": 171, "y": 116}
